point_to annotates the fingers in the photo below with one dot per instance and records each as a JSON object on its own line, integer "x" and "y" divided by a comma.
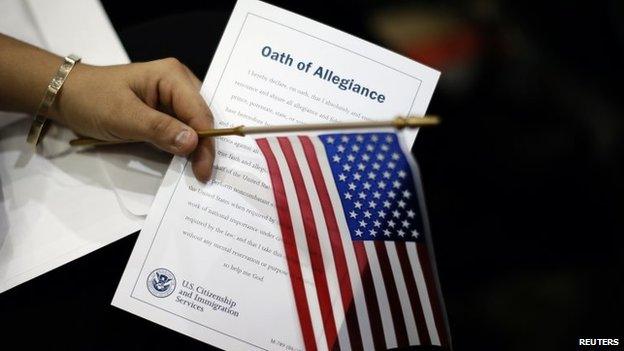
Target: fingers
{"x": 193, "y": 78}
{"x": 146, "y": 124}
{"x": 203, "y": 159}
{"x": 180, "y": 92}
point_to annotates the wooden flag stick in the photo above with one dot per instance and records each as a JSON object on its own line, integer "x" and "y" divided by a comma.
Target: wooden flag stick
{"x": 397, "y": 123}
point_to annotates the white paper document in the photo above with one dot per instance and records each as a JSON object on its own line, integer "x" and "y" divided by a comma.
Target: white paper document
{"x": 210, "y": 262}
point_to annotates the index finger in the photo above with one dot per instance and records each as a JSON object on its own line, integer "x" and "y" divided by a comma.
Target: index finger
{"x": 190, "y": 107}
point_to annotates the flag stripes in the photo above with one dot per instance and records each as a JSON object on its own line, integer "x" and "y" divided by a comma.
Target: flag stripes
{"x": 288, "y": 238}
{"x": 302, "y": 249}
{"x": 314, "y": 249}
{"x": 435, "y": 305}
{"x": 393, "y": 296}
{"x": 346, "y": 291}
{"x": 372, "y": 303}
{"x": 410, "y": 285}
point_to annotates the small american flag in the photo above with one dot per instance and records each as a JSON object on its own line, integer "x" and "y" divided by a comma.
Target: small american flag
{"x": 354, "y": 235}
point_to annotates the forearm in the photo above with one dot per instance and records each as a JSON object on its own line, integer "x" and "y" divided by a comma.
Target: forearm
{"x": 25, "y": 72}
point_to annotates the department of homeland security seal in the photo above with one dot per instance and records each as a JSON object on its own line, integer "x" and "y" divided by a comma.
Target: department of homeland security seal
{"x": 161, "y": 282}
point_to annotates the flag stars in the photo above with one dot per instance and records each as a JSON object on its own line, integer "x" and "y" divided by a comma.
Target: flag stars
{"x": 375, "y": 185}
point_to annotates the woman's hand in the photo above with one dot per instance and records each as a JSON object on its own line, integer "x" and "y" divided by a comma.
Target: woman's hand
{"x": 157, "y": 102}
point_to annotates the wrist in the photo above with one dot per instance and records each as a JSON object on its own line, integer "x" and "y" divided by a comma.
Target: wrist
{"x": 68, "y": 93}
{"x": 53, "y": 89}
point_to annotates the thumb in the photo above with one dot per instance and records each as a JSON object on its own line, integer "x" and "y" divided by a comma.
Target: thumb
{"x": 160, "y": 129}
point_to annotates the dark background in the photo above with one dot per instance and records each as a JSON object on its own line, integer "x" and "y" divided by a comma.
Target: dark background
{"x": 523, "y": 178}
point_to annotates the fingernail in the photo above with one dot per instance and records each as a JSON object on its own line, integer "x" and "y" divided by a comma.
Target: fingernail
{"x": 182, "y": 138}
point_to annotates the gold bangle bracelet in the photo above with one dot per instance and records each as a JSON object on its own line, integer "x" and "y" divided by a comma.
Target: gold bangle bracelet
{"x": 38, "y": 123}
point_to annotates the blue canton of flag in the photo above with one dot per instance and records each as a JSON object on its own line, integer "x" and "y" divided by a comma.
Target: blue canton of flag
{"x": 376, "y": 186}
